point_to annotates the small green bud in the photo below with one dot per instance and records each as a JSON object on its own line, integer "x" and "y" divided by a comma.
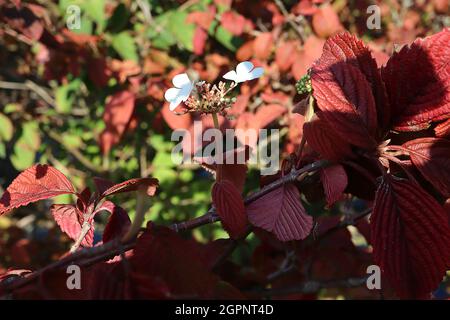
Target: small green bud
{"x": 304, "y": 84}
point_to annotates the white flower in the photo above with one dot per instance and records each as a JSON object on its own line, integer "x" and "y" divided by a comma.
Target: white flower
{"x": 245, "y": 71}
{"x": 183, "y": 87}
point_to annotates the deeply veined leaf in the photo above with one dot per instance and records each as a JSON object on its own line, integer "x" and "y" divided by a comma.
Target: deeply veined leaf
{"x": 432, "y": 157}
{"x": 344, "y": 50}
{"x": 334, "y": 180}
{"x": 36, "y": 183}
{"x": 443, "y": 129}
{"x": 320, "y": 137}
{"x": 230, "y": 208}
{"x": 410, "y": 237}
{"x": 70, "y": 220}
{"x": 418, "y": 83}
{"x": 282, "y": 213}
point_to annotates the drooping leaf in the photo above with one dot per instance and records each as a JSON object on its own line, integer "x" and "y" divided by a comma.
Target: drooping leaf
{"x": 282, "y": 213}
{"x": 230, "y": 208}
{"x": 418, "y": 84}
{"x": 334, "y": 180}
{"x": 410, "y": 237}
{"x": 432, "y": 157}
{"x": 36, "y": 183}
{"x": 149, "y": 185}
{"x": 118, "y": 112}
{"x": 118, "y": 222}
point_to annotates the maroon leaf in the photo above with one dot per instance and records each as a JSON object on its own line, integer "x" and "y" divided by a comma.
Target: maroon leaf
{"x": 70, "y": 220}
{"x": 148, "y": 184}
{"x": 162, "y": 253}
{"x": 410, "y": 237}
{"x": 119, "y": 109}
{"x": 334, "y": 180}
{"x": 118, "y": 222}
{"x": 36, "y": 183}
{"x": 23, "y": 20}
{"x": 432, "y": 157}
{"x": 281, "y": 212}
{"x": 320, "y": 137}
{"x": 232, "y": 168}
{"x": 343, "y": 92}
{"x": 418, "y": 84}
{"x": 230, "y": 208}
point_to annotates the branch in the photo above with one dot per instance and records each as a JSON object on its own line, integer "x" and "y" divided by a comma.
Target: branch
{"x": 89, "y": 256}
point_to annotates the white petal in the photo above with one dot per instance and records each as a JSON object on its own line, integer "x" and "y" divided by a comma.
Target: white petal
{"x": 255, "y": 73}
{"x": 171, "y": 94}
{"x": 244, "y": 68}
{"x": 181, "y": 80}
{"x": 230, "y": 75}
{"x": 175, "y": 103}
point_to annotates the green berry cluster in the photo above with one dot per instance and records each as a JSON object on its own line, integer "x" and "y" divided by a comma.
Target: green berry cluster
{"x": 304, "y": 84}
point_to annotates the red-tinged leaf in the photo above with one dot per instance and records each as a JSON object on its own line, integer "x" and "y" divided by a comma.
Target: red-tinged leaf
{"x": 325, "y": 22}
{"x": 334, "y": 180}
{"x": 245, "y": 52}
{"x": 118, "y": 222}
{"x": 410, "y": 238}
{"x": 175, "y": 121}
{"x": 418, "y": 83}
{"x": 199, "y": 40}
{"x": 148, "y": 184}
{"x": 432, "y": 157}
{"x": 443, "y": 129}
{"x": 70, "y": 220}
{"x": 118, "y": 111}
{"x": 267, "y": 114}
{"x": 282, "y": 213}
{"x": 320, "y": 138}
{"x": 23, "y": 20}
{"x": 240, "y": 105}
{"x": 232, "y": 166}
{"x": 305, "y": 7}
{"x": 36, "y": 183}
{"x": 162, "y": 253}
{"x": 343, "y": 93}
{"x": 263, "y": 45}
{"x": 230, "y": 207}
{"x": 285, "y": 55}
{"x": 202, "y": 19}
{"x": 347, "y": 48}
{"x": 233, "y": 22}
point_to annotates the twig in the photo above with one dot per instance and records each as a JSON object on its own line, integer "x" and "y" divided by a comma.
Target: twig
{"x": 92, "y": 255}
{"x": 291, "y": 22}
{"x": 29, "y": 85}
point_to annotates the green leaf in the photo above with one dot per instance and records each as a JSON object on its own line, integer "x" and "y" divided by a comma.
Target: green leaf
{"x": 65, "y": 95}
{"x": 172, "y": 29}
{"x": 6, "y": 128}
{"x": 224, "y": 37}
{"x": 95, "y": 9}
{"x": 124, "y": 44}
{"x": 26, "y": 146}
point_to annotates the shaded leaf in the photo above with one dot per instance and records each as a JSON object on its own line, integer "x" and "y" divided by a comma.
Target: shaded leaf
{"x": 281, "y": 212}
{"x": 118, "y": 222}
{"x": 432, "y": 157}
{"x": 230, "y": 207}
{"x": 334, "y": 180}
{"x": 149, "y": 185}
{"x": 410, "y": 238}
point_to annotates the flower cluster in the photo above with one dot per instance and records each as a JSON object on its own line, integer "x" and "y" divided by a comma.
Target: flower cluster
{"x": 209, "y": 98}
